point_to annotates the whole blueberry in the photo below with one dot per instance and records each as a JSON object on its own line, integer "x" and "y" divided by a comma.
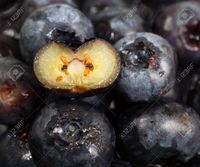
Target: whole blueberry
{"x": 179, "y": 23}
{"x": 72, "y": 134}
{"x": 59, "y": 23}
{"x": 20, "y": 92}
{"x": 167, "y": 134}
{"x": 148, "y": 67}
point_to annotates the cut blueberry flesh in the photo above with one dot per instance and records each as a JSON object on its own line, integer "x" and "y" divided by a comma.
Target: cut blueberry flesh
{"x": 95, "y": 65}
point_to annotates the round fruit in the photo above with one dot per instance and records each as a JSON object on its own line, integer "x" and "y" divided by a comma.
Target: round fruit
{"x": 95, "y": 65}
{"x": 59, "y": 23}
{"x": 180, "y": 25}
{"x": 148, "y": 66}
{"x": 72, "y": 134}
{"x": 17, "y": 91}
{"x": 168, "y": 133}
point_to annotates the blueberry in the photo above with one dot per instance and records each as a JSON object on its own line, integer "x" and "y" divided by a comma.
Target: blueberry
{"x": 99, "y": 100}
{"x": 92, "y": 8}
{"x": 180, "y": 24}
{"x": 190, "y": 91}
{"x": 32, "y": 5}
{"x": 3, "y": 130}
{"x": 72, "y": 134}
{"x": 148, "y": 67}
{"x": 18, "y": 87}
{"x": 77, "y": 73}
{"x": 9, "y": 47}
{"x": 193, "y": 162}
{"x": 167, "y": 134}
{"x": 59, "y": 23}
{"x": 29, "y": 6}
{"x": 112, "y": 28}
{"x": 156, "y": 4}
{"x": 14, "y": 150}
{"x": 8, "y": 10}
{"x": 35, "y": 4}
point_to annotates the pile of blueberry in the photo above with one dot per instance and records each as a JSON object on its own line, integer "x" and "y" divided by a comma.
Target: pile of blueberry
{"x": 100, "y": 83}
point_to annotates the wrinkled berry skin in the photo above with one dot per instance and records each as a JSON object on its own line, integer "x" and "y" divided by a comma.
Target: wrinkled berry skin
{"x": 148, "y": 67}
{"x": 76, "y": 134}
{"x": 14, "y": 150}
{"x": 59, "y": 23}
{"x": 168, "y": 133}
{"x": 180, "y": 25}
{"x": 18, "y": 97}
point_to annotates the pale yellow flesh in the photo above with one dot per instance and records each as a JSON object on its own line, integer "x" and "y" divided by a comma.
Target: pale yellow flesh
{"x": 102, "y": 55}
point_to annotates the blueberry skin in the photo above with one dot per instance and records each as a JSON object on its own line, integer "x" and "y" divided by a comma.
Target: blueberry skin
{"x": 14, "y": 151}
{"x": 9, "y": 47}
{"x": 148, "y": 71}
{"x": 112, "y": 27}
{"x": 8, "y": 10}
{"x": 4, "y": 4}
{"x": 75, "y": 134}
{"x": 29, "y": 6}
{"x": 155, "y": 4}
{"x": 35, "y": 4}
{"x": 179, "y": 23}
{"x": 92, "y": 8}
{"x": 191, "y": 91}
{"x": 18, "y": 96}
{"x": 168, "y": 133}
{"x": 58, "y": 22}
